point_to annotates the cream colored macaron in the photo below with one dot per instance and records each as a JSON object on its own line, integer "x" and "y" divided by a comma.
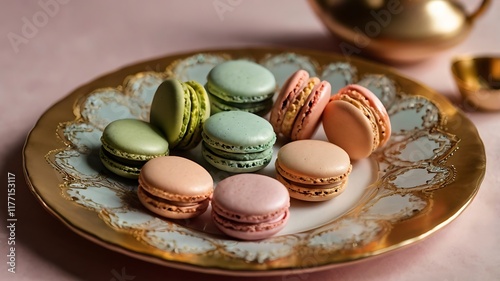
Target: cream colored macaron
{"x": 313, "y": 170}
{"x": 175, "y": 187}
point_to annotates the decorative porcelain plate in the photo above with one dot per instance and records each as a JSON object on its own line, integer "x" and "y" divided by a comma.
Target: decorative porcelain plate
{"x": 422, "y": 179}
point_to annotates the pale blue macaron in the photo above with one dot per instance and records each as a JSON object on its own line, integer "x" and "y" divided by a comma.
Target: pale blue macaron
{"x": 240, "y": 84}
{"x": 237, "y": 141}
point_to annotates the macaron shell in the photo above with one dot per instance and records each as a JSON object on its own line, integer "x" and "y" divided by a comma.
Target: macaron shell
{"x": 309, "y": 117}
{"x": 241, "y": 81}
{"x": 170, "y": 209}
{"x": 313, "y": 162}
{"x": 346, "y": 126}
{"x": 133, "y": 139}
{"x": 176, "y": 179}
{"x": 171, "y": 110}
{"x": 290, "y": 89}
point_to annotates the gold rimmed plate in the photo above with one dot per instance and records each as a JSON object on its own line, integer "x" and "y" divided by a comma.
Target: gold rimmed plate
{"x": 422, "y": 179}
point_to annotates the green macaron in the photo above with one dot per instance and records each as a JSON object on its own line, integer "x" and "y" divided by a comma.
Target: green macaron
{"x": 240, "y": 85}
{"x": 237, "y": 141}
{"x": 179, "y": 110}
{"x": 127, "y": 144}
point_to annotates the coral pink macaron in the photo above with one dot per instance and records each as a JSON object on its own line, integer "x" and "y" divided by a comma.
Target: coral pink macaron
{"x": 250, "y": 206}
{"x": 175, "y": 187}
{"x": 296, "y": 114}
{"x": 357, "y": 121}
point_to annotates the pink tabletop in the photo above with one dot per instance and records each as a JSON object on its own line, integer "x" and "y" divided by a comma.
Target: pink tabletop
{"x": 76, "y": 41}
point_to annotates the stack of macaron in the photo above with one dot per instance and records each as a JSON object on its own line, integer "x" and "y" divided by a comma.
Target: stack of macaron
{"x": 356, "y": 120}
{"x": 313, "y": 170}
{"x": 297, "y": 111}
{"x": 240, "y": 85}
{"x": 237, "y": 141}
{"x": 127, "y": 144}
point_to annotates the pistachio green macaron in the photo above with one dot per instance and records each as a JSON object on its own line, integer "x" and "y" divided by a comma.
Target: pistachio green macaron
{"x": 179, "y": 110}
{"x": 238, "y": 141}
{"x": 127, "y": 144}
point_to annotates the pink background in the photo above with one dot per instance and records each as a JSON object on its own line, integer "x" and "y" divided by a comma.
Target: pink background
{"x": 84, "y": 39}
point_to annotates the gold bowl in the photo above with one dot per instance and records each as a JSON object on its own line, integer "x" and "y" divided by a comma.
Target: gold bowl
{"x": 399, "y": 31}
{"x": 478, "y": 80}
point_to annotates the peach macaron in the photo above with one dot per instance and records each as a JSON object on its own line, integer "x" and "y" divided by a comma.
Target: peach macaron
{"x": 313, "y": 170}
{"x": 175, "y": 187}
{"x": 356, "y": 120}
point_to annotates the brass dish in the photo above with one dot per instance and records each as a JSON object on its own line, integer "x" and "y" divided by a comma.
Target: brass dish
{"x": 419, "y": 182}
{"x": 478, "y": 80}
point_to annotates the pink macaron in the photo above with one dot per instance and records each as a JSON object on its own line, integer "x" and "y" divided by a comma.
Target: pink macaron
{"x": 250, "y": 206}
{"x": 296, "y": 114}
{"x": 357, "y": 121}
{"x": 175, "y": 187}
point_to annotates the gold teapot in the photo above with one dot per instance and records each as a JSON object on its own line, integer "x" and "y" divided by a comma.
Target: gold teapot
{"x": 396, "y": 30}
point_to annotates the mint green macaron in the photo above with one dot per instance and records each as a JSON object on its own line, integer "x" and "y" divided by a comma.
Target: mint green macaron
{"x": 240, "y": 85}
{"x": 179, "y": 110}
{"x": 127, "y": 144}
{"x": 237, "y": 141}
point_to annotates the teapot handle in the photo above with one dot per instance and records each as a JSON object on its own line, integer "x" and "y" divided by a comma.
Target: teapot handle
{"x": 480, "y": 10}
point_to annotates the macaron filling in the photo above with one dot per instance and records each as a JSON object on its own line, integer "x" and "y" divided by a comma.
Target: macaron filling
{"x": 250, "y": 218}
{"x": 306, "y": 122}
{"x": 219, "y": 105}
{"x": 104, "y": 153}
{"x": 171, "y": 197}
{"x": 237, "y": 148}
{"x": 235, "y": 99}
{"x": 235, "y": 166}
{"x": 286, "y": 97}
{"x": 296, "y": 105}
{"x": 304, "y": 179}
{"x": 312, "y": 192}
{"x": 237, "y": 225}
{"x": 155, "y": 203}
{"x": 193, "y": 118}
